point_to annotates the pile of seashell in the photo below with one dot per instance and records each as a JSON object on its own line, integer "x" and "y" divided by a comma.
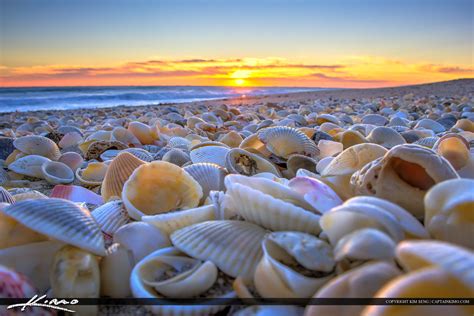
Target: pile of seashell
{"x": 333, "y": 199}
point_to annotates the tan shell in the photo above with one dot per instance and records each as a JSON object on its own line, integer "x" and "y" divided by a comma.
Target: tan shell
{"x": 118, "y": 172}
{"x": 111, "y": 216}
{"x": 405, "y": 171}
{"x": 233, "y": 246}
{"x": 232, "y": 139}
{"x": 70, "y": 139}
{"x": 60, "y": 219}
{"x": 57, "y": 173}
{"x": 455, "y": 149}
{"x": 115, "y": 270}
{"x": 159, "y": 187}
{"x": 37, "y": 145}
{"x": 255, "y": 143}
{"x": 351, "y": 138}
{"x": 93, "y": 174}
{"x": 209, "y": 176}
{"x": 329, "y": 148}
{"x": 29, "y": 166}
{"x": 284, "y": 141}
{"x": 246, "y": 163}
{"x": 124, "y": 136}
{"x": 142, "y": 132}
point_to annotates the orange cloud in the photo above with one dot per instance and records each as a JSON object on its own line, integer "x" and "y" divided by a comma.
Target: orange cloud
{"x": 355, "y": 71}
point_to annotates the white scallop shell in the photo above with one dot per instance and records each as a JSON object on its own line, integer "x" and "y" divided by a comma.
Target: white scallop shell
{"x": 210, "y": 154}
{"x": 284, "y": 141}
{"x": 209, "y": 176}
{"x": 111, "y": 216}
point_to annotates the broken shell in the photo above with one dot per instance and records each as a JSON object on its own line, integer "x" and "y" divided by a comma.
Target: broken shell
{"x": 254, "y": 143}
{"x": 209, "y": 176}
{"x": 57, "y": 173}
{"x": 293, "y": 265}
{"x": 111, "y": 216}
{"x": 159, "y": 187}
{"x": 93, "y": 174}
{"x": 448, "y": 211}
{"x": 118, "y": 172}
{"x": 320, "y": 196}
{"x": 352, "y": 159}
{"x": 72, "y": 160}
{"x": 37, "y": 145}
{"x": 59, "y": 219}
{"x": 386, "y": 137}
{"x": 284, "y": 141}
{"x": 115, "y": 270}
{"x": 233, "y": 246}
{"x": 243, "y": 162}
{"x": 29, "y": 166}
{"x": 210, "y": 154}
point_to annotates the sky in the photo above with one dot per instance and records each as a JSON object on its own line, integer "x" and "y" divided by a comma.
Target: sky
{"x": 313, "y": 43}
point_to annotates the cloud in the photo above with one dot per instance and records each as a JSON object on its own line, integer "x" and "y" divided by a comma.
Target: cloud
{"x": 447, "y": 69}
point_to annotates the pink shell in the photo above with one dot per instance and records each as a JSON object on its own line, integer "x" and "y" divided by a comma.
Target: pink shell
{"x": 316, "y": 193}
{"x": 76, "y": 193}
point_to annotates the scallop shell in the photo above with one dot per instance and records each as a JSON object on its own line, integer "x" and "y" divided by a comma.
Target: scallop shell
{"x": 70, "y": 139}
{"x": 6, "y": 197}
{"x": 274, "y": 275}
{"x": 406, "y": 170}
{"x": 233, "y": 246}
{"x": 118, "y": 172}
{"x": 284, "y": 141}
{"x": 37, "y": 145}
{"x": 115, "y": 270}
{"x": 179, "y": 142}
{"x": 57, "y": 173}
{"x": 386, "y": 137}
{"x": 352, "y": 159}
{"x": 430, "y": 124}
{"x": 427, "y": 142}
{"x": 159, "y": 187}
{"x": 29, "y": 166}
{"x": 59, "y": 219}
{"x": 140, "y": 153}
{"x": 270, "y": 204}
{"x": 210, "y": 154}
{"x": 72, "y": 159}
{"x": 455, "y": 149}
{"x": 209, "y": 176}
{"x": 93, "y": 174}
{"x": 246, "y": 163}
{"x": 448, "y": 209}
{"x": 176, "y": 156}
{"x": 142, "y": 132}
{"x": 111, "y": 216}
{"x": 363, "y": 281}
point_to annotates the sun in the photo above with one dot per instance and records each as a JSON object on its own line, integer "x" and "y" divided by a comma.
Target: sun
{"x": 239, "y": 82}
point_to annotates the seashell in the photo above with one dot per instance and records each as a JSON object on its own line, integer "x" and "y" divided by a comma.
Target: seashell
{"x": 448, "y": 208}
{"x": 363, "y": 281}
{"x": 210, "y": 154}
{"x": 172, "y": 221}
{"x": 70, "y": 139}
{"x": 329, "y": 148}
{"x": 294, "y": 265}
{"x": 56, "y": 172}
{"x": 455, "y": 149}
{"x": 320, "y": 196}
{"x": 176, "y": 156}
{"x": 323, "y": 118}
{"x": 243, "y": 162}
{"x": 124, "y": 136}
{"x": 115, "y": 270}
{"x": 352, "y": 159}
{"x": 297, "y": 161}
{"x": 406, "y": 170}
{"x": 6, "y": 147}
{"x": 165, "y": 261}
{"x": 284, "y": 141}
{"x": 37, "y": 145}
{"x": 93, "y": 174}
{"x": 363, "y": 245}
{"x": 430, "y": 124}
{"x": 109, "y": 154}
{"x": 308, "y": 131}
{"x": 159, "y": 187}
{"x": 15, "y": 285}
{"x": 59, "y": 219}
{"x": 69, "y": 129}
{"x": 14, "y": 155}
{"x": 141, "y": 239}
{"x": 232, "y": 139}
{"x": 209, "y": 176}
{"x": 374, "y": 119}
{"x": 410, "y": 225}
{"x": 398, "y": 121}
{"x": 75, "y": 273}
{"x": 111, "y": 216}
{"x": 76, "y": 193}
{"x": 351, "y": 138}
{"x": 254, "y": 143}
{"x": 427, "y": 142}
{"x": 323, "y": 163}
{"x": 142, "y": 132}
{"x": 270, "y": 204}
{"x": 320, "y": 135}
{"x": 386, "y": 137}
{"x": 465, "y": 125}
{"x": 72, "y": 160}
{"x": 101, "y": 135}
{"x": 140, "y": 153}
{"x": 97, "y": 148}
{"x": 233, "y": 246}
{"x": 29, "y": 166}
{"x": 29, "y": 194}
{"x": 6, "y": 197}
{"x": 179, "y": 142}
{"x": 37, "y": 270}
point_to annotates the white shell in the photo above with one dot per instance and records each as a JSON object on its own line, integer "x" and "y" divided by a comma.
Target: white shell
{"x": 57, "y": 173}
{"x": 209, "y": 176}
{"x": 284, "y": 141}
{"x": 111, "y": 216}
{"x": 29, "y": 165}
{"x": 210, "y": 154}
{"x": 37, "y": 145}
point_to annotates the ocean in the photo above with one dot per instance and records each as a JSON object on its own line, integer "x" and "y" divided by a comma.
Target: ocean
{"x": 51, "y": 98}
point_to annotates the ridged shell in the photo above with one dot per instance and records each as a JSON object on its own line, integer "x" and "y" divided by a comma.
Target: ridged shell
{"x": 233, "y": 246}
{"x": 57, "y": 173}
{"x": 430, "y": 124}
{"x": 284, "y": 141}
{"x": 60, "y": 219}
{"x": 111, "y": 216}
{"x": 37, "y": 145}
{"x": 176, "y": 156}
{"x": 386, "y": 137}
{"x": 140, "y": 153}
{"x": 252, "y": 141}
{"x": 6, "y": 197}
{"x": 209, "y": 176}
{"x": 374, "y": 119}
{"x": 427, "y": 142}
{"x": 210, "y": 154}
{"x": 159, "y": 187}
{"x": 246, "y": 163}
{"x": 179, "y": 142}
{"x": 29, "y": 166}
{"x": 118, "y": 172}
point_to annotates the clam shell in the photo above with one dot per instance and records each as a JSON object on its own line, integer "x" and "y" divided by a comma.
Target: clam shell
{"x": 70, "y": 139}
{"x": 76, "y": 194}
{"x": 427, "y": 142}
{"x": 115, "y": 270}
{"x": 210, "y": 154}
{"x": 253, "y": 142}
{"x": 59, "y": 219}
{"x": 142, "y": 132}
{"x": 57, "y": 173}
{"x": 6, "y": 197}
{"x": 386, "y": 137}
{"x": 159, "y": 187}
{"x": 179, "y": 142}
{"x": 118, "y": 172}
{"x": 37, "y": 145}
{"x": 29, "y": 166}
{"x": 448, "y": 209}
{"x": 374, "y": 119}
{"x": 329, "y": 148}
{"x": 72, "y": 160}
{"x": 284, "y": 141}
{"x": 111, "y": 216}
{"x": 351, "y": 138}
{"x": 109, "y": 154}
{"x": 97, "y": 148}
{"x": 231, "y": 139}
{"x": 209, "y": 176}
{"x": 233, "y": 246}
{"x": 93, "y": 174}
{"x": 28, "y": 194}
{"x": 430, "y": 124}
{"x": 246, "y": 163}
{"x": 455, "y": 149}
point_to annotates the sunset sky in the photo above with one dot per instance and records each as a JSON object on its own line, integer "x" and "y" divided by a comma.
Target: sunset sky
{"x": 337, "y": 43}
